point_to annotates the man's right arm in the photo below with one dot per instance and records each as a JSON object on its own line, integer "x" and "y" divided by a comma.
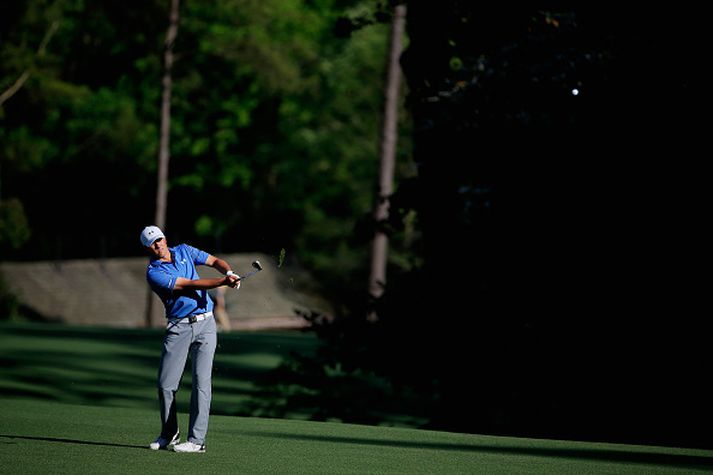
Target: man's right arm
{"x": 202, "y": 284}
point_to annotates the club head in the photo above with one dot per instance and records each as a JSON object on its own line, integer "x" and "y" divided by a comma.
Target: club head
{"x": 257, "y": 265}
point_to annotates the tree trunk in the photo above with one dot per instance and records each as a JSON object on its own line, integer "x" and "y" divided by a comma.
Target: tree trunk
{"x": 380, "y": 243}
{"x": 153, "y": 304}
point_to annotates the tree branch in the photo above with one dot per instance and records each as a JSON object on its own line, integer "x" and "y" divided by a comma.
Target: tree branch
{"x": 17, "y": 85}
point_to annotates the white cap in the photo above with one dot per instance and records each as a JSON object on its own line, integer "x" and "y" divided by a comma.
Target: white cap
{"x": 150, "y": 234}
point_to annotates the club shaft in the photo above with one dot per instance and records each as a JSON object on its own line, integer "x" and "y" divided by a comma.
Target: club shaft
{"x": 248, "y": 275}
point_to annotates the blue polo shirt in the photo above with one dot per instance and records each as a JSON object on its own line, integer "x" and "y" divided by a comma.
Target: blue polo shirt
{"x": 162, "y": 276}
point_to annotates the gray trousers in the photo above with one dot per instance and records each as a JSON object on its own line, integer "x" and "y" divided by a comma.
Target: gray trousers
{"x": 199, "y": 339}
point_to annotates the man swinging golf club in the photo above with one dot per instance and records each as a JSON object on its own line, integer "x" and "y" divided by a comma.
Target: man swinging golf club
{"x": 190, "y": 328}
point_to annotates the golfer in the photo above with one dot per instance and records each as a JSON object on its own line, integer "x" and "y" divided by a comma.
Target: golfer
{"x": 190, "y": 328}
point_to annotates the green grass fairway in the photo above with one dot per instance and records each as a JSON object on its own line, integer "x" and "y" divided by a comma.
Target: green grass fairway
{"x": 51, "y": 437}
{"x": 83, "y": 400}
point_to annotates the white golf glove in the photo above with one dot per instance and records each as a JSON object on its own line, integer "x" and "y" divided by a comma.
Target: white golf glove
{"x": 231, "y": 273}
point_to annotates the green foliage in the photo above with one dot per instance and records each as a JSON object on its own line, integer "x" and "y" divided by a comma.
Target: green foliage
{"x": 24, "y": 152}
{"x": 14, "y": 230}
{"x": 275, "y": 125}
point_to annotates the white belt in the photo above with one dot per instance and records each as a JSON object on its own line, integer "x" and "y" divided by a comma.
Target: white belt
{"x": 200, "y": 317}
{"x": 193, "y": 318}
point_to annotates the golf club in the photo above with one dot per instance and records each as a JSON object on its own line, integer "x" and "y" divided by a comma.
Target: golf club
{"x": 258, "y": 268}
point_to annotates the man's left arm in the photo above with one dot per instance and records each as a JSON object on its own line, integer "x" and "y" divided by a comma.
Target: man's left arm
{"x": 221, "y": 266}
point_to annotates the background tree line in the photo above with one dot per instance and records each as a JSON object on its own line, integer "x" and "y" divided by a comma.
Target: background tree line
{"x": 276, "y": 116}
{"x": 547, "y": 221}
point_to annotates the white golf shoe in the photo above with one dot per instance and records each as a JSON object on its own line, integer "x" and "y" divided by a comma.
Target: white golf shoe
{"x": 189, "y": 447}
{"x": 162, "y": 442}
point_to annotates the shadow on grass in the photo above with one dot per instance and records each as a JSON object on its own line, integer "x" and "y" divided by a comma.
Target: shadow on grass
{"x": 143, "y": 338}
{"x": 109, "y": 367}
{"x": 71, "y": 441}
{"x": 71, "y": 374}
{"x": 608, "y": 455}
